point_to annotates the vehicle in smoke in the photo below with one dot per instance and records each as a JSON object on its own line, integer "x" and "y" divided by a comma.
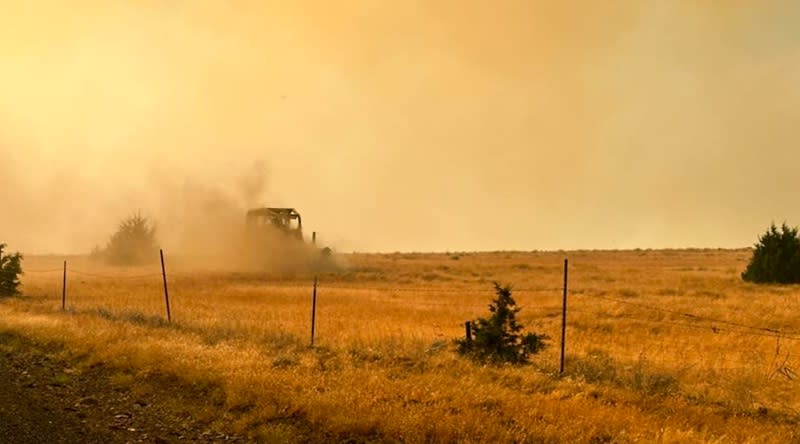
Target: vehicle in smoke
{"x": 275, "y": 236}
{"x": 286, "y": 220}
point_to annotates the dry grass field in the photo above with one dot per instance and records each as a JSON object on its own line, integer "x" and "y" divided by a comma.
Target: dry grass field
{"x": 662, "y": 346}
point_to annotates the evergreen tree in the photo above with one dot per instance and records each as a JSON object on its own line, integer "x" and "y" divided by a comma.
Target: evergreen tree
{"x": 499, "y": 337}
{"x": 776, "y": 258}
{"x": 10, "y": 269}
{"x": 133, "y": 243}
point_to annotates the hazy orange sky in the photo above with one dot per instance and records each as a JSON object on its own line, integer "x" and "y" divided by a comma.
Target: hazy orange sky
{"x": 403, "y": 125}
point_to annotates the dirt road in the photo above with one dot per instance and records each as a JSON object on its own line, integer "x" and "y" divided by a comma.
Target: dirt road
{"x": 46, "y": 397}
{"x": 28, "y": 417}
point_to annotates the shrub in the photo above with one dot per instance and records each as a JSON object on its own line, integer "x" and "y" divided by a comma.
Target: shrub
{"x": 776, "y": 258}
{"x": 133, "y": 243}
{"x": 498, "y": 338}
{"x": 10, "y": 269}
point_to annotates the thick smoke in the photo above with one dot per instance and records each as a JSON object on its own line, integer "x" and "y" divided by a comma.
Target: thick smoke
{"x": 412, "y": 126}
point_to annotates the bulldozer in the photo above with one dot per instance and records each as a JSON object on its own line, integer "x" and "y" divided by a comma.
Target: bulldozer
{"x": 285, "y": 220}
{"x": 275, "y": 237}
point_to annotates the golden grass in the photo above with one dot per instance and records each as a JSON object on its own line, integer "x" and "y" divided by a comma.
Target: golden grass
{"x": 384, "y": 365}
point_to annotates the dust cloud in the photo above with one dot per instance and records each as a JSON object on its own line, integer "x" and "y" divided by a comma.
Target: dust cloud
{"x": 412, "y": 125}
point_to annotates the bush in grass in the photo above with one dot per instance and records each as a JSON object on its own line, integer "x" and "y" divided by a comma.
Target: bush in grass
{"x": 10, "y": 269}
{"x": 133, "y": 243}
{"x": 776, "y": 257}
{"x": 499, "y": 338}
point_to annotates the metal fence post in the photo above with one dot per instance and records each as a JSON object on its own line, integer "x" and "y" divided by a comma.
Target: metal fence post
{"x": 166, "y": 291}
{"x": 64, "y": 288}
{"x": 313, "y": 310}
{"x": 564, "y": 318}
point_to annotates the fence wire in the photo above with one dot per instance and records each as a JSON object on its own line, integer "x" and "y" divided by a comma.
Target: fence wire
{"x": 578, "y": 304}
{"x": 755, "y": 330}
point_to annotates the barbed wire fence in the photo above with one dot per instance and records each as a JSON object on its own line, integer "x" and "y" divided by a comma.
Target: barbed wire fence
{"x": 779, "y": 361}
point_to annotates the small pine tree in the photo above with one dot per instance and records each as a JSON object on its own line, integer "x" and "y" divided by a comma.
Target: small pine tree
{"x": 133, "y": 243}
{"x": 776, "y": 258}
{"x": 498, "y": 338}
{"x": 10, "y": 269}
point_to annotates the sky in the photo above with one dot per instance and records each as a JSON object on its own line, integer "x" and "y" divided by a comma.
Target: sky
{"x": 414, "y": 125}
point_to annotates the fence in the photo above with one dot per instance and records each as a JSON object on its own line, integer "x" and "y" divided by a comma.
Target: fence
{"x": 546, "y": 306}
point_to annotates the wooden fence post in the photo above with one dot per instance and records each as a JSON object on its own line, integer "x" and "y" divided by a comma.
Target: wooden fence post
{"x": 468, "y": 331}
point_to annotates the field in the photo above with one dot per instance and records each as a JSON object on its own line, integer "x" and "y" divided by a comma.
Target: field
{"x": 662, "y": 346}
